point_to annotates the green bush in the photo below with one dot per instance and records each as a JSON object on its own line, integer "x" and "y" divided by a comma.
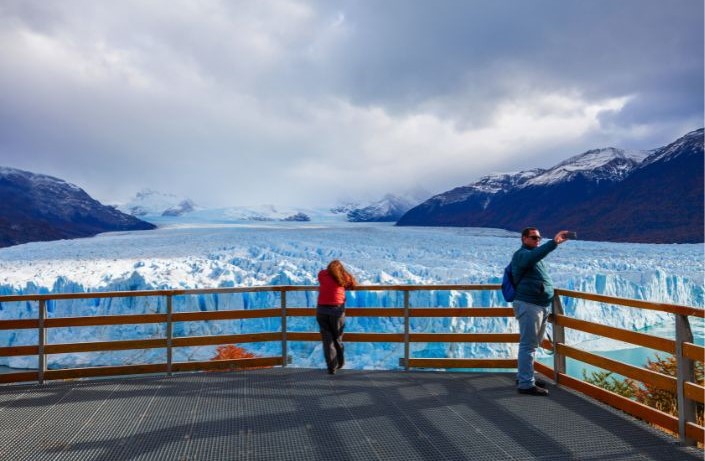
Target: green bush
{"x": 648, "y": 394}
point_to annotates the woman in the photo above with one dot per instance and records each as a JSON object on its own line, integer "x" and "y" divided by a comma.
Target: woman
{"x": 330, "y": 312}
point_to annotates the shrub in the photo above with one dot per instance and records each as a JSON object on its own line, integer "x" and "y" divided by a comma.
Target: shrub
{"x": 229, "y": 351}
{"x": 645, "y": 393}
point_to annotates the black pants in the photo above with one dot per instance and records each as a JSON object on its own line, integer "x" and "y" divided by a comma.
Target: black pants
{"x": 332, "y": 327}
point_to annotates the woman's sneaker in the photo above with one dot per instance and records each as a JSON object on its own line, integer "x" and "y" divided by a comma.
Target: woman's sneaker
{"x": 534, "y": 391}
{"x": 537, "y": 382}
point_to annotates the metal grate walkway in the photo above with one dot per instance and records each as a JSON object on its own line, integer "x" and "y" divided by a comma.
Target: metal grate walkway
{"x": 304, "y": 414}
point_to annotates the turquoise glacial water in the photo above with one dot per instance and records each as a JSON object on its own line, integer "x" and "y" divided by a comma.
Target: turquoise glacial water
{"x": 637, "y": 356}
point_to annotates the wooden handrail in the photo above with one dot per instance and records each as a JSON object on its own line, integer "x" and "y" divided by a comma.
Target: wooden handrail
{"x": 670, "y": 308}
{"x": 350, "y": 337}
{"x": 640, "y": 374}
{"x": 226, "y": 339}
{"x": 461, "y": 312}
{"x": 695, "y": 392}
{"x": 105, "y": 346}
{"x": 225, "y": 315}
{"x": 623, "y": 403}
{"x": 694, "y": 352}
{"x": 21, "y": 324}
{"x": 253, "y": 289}
{"x": 228, "y": 364}
{"x": 14, "y": 351}
{"x": 370, "y": 311}
{"x": 415, "y": 312}
{"x": 620, "y": 334}
{"x": 686, "y": 349}
{"x": 464, "y": 337}
{"x": 131, "y": 319}
{"x": 695, "y": 432}
{"x": 462, "y": 363}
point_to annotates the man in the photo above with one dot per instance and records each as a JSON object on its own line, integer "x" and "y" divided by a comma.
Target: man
{"x": 534, "y": 295}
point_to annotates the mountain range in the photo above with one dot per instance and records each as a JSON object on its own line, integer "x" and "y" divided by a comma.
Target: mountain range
{"x": 606, "y": 194}
{"x": 389, "y": 208}
{"x": 36, "y": 207}
{"x": 150, "y": 202}
{"x": 153, "y": 205}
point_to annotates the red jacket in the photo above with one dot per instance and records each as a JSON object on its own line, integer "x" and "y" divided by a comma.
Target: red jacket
{"x": 329, "y": 293}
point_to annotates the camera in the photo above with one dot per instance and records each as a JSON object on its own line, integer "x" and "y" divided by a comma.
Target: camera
{"x": 570, "y": 235}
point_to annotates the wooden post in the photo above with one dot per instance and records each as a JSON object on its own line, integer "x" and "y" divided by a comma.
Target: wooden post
{"x": 684, "y": 373}
{"x": 407, "y": 354}
{"x": 558, "y": 338}
{"x": 42, "y": 340}
{"x": 285, "y": 351}
{"x": 169, "y": 334}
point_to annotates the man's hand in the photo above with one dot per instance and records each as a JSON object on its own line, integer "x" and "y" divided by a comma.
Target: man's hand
{"x": 560, "y": 237}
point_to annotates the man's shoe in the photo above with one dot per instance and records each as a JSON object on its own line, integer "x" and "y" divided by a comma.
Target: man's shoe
{"x": 340, "y": 365}
{"x": 331, "y": 371}
{"x": 538, "y": 382}
{"x": 533, "y": 391}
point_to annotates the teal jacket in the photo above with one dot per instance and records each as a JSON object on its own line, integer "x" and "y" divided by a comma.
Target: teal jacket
{"x": 535, "y": 285}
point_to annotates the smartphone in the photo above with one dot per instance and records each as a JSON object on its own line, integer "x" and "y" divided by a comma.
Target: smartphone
{"x": 570, "y": 235}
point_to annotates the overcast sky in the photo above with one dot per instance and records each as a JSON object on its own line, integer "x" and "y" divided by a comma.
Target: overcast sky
{"x": 306, "y": 102}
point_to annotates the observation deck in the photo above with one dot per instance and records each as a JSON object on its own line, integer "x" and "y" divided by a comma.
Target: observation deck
{"x": 284, "y": 412}
{"x": 305, "y": 414}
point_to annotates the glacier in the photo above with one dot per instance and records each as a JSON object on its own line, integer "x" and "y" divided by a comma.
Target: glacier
{"x": 184, "y": 255}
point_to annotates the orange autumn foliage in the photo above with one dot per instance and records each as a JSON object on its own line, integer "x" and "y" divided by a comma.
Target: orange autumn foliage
{"x": 664, "y": 400}
{"x": 229, "y": 352}
{"x": 646, "y": 393}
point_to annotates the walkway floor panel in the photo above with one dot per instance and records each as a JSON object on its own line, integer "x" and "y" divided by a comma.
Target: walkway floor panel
{"x": 303, "y": 414}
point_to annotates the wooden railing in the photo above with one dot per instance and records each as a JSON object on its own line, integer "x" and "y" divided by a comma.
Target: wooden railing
{"x": 689, "y": 394}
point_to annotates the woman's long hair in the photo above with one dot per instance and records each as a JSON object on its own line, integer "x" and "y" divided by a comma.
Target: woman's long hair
{"x": 340, "y": 275}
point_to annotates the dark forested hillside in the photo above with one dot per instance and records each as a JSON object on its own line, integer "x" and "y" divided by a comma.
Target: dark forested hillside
{"x": 654, "y": 199}
{"x": 37, "y": 207}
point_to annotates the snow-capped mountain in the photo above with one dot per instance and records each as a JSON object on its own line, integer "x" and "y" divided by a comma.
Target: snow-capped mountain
{"x": 345, "y": 207}
{"x": 389, "y": 209}
{"x": 37, "y": 207}
{"x": 608, "y": 164}
{"x": 502, "y": 182}
{"x": 691, "y": 143}
{"x": 248, "y": 214}
{"x": 587, "y": 193}
{"x": 149, "y": 202}
{"x": 259, "y": 213}
{"x": 161, "y": 207}
{"x": 482, "y": 191}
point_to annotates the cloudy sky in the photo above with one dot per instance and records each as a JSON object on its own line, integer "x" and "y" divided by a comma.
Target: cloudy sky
{"x": 295, "y": 102}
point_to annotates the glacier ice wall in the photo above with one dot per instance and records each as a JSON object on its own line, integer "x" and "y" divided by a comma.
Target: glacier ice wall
{"x": 209, "y": 256}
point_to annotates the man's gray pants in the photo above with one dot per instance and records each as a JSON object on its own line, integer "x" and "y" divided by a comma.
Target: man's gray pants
{"x": 532, "y": 326}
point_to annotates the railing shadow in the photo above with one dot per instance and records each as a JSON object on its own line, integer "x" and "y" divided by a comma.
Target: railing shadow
{"x": 263, "y": 414}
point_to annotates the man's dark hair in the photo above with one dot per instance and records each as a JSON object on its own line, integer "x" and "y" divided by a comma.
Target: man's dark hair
{"x": 526, "y": 231}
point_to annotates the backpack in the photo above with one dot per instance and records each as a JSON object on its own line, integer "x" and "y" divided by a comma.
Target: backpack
{"x": 508, "y": 286}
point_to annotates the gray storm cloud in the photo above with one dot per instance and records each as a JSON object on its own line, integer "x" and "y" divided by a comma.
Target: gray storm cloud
{"x": 295, "y": 102}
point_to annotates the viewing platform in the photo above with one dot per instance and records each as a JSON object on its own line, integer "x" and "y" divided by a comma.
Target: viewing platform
{"x": 279, "y": 411}
{"x": 305, "y": 414}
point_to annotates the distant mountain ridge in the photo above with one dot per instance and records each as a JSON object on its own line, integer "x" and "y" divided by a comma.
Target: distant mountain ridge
{"x": 653, "y": 196}
{"x": 388, "y": 209}
{"x": 36, "y": 207}
{"x": 149, "y": 202}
